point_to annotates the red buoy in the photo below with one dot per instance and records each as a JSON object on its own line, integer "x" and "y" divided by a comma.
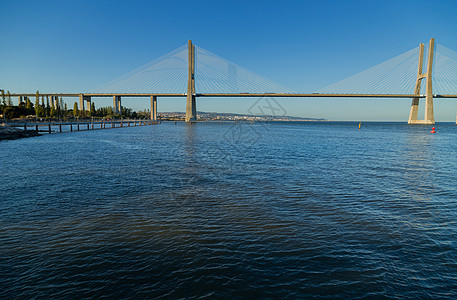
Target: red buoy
{"x": 433, "y": 130}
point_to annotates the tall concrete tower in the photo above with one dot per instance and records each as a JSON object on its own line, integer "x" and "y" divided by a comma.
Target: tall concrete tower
{"x": 191, "y": 108}
{"x": 429, "y": 117}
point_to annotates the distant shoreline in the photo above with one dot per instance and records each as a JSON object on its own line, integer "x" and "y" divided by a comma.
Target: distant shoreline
{"x": 214, "y": 116}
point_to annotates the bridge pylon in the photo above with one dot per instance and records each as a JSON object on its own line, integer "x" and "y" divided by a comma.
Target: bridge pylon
{"x": 191, "y": 107}
{"x": 429, "y": 117}
{"x": 154, "y": 108}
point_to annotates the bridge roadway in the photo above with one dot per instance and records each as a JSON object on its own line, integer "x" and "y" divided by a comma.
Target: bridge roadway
{"x": 290, "y": 95}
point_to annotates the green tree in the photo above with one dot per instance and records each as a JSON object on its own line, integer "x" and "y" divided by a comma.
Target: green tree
{"x": 8, "y": 99}
{"x": 92, "y": 109}
{"x": 57, "y": 108}
{"x": 3, "y": 101}
{"x": 21, "y": 109}
{"x": 29, "y": 106}
{"x": 62, "y": 106}
{"x": 37, "y": 107}
{"x": 75, "y": 110}
{"x": 42, "y": 108}
{"x": 10, "y": 112}
{"x": 37, "y": 96}
{"x": 48, "y": 107}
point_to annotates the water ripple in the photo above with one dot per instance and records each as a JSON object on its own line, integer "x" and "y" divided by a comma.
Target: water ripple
{"x": 290, "y": 210}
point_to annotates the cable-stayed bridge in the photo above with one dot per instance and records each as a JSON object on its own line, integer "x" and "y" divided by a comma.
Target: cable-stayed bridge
{"x": 192, "y": 72}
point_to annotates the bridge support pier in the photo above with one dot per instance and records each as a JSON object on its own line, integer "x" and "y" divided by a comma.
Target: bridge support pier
{"x": 191, "y": 107}
{"x": 54, "y": 101}
{"x": 81, "y": 102}
{"x": 154, "y": 108}
{"x": 82, "y": 99}
{"x": 429, "y": 118}
{"x": 117, "y": 108}
{"x": 20, "y": 99}
{"x": 88, "y": 102}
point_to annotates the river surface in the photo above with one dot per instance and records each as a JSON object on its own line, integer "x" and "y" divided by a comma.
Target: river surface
{"x": 269, "y": 210}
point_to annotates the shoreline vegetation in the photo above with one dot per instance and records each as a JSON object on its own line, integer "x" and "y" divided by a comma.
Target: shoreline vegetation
{"x": 46, "y": 108}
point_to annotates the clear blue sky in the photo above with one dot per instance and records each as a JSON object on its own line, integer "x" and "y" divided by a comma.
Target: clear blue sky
{"x": 305, "y": 45}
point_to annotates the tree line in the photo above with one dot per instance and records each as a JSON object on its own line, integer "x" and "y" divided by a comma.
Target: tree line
{"x": 59, "y": 109}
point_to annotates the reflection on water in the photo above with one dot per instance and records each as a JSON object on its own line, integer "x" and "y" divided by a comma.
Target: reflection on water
{"x": 418, "y": 158}
{"x": 269, "y": 210}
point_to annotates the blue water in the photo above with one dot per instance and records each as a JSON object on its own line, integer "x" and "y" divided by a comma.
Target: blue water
{"x": 270, "y": 210}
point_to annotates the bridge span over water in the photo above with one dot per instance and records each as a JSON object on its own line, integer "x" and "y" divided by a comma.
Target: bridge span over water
{"x": 221, "y": 78}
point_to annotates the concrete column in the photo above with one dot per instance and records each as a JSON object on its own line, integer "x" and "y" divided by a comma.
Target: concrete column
{"x": 55, "y": 101}
{"x": 114, "y": 105}
{"x": 154, "y": 108}
{"x": 415, "y": 103}
{"x": 117, "y": 105}
{"x": 81, "y": 102}
{"x": 429, "y": 115}
{"x": 88, "y": 101}
{"x": 191, "y": 109}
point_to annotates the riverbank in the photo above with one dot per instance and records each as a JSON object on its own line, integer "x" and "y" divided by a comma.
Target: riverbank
{"x": 12, "y": 133}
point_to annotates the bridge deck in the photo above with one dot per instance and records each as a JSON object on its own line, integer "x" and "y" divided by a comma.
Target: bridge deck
{"x": 313, "y": 95}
